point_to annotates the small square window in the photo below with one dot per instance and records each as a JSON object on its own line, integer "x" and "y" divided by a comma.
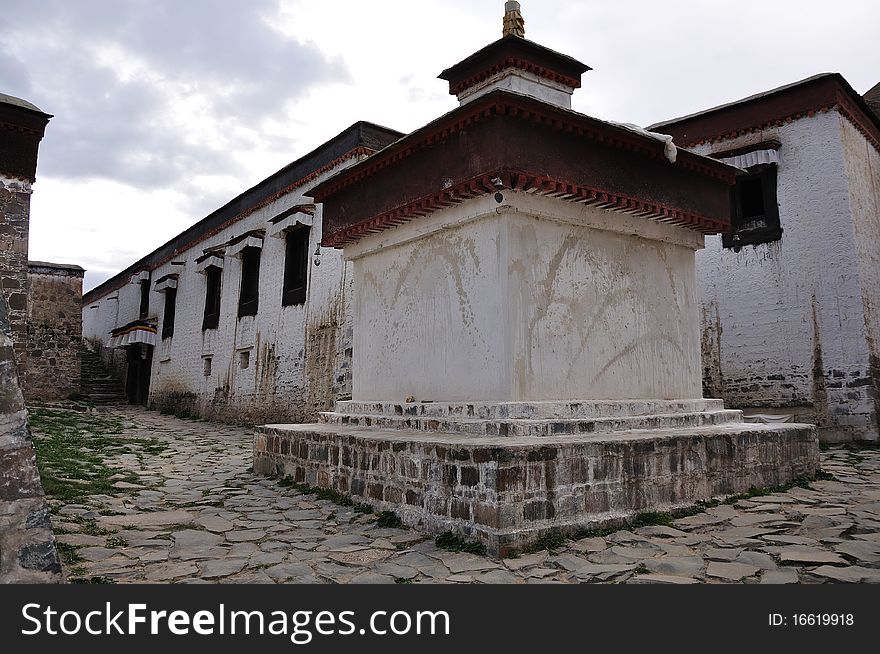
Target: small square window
{"x": 755, "y": 212}
{"x": 207, "y": 362}
{"x": 244, "y": 359}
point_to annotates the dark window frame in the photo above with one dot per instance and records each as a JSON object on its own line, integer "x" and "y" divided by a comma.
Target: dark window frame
{"x": 213, "y": 295}
{"x": 296, "y": 266}
{"x": 144, "y": 309}
{"x": 169, "y": 312}
{"x": 758, "y": 228}
{"x": 249, "y": 290}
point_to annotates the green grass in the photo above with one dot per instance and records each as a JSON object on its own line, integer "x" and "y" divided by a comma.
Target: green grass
{"x": 452, "y": 542}
{"x": 325, "y": 494}
{"x": 555, "y": 540}
{"x": 72, "y": 447}
{"x": 389, "y": 520}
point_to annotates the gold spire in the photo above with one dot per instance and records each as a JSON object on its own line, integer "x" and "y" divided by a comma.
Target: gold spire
{"x": 513, "y": 20}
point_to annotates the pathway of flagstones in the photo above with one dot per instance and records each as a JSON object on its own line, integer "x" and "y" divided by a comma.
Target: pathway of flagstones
{"x": 197, "y": 514}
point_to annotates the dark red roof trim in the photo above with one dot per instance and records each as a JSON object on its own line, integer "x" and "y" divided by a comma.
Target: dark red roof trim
{"x": 530, "y": 183}
{"x": 355, "y": 152}
{"x": 514, "y": 62}
{"x": 820, "y": 94}
{"x": 534, "y": 111}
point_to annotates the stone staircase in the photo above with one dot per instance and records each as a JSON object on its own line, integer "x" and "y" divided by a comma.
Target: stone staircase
{"x": 97, "y": 385}
{"x": 533, "y": 419}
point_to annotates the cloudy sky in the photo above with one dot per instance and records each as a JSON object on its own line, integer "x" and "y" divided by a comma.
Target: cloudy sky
{"x": 166, "y": 109}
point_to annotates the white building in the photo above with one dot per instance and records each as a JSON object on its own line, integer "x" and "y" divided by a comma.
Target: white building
{"x": 242, "y": 317}
{"x": 790, "y": 298}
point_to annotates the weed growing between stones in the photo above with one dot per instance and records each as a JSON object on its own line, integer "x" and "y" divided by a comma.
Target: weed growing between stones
{"x": 389, "y": 520}
{"x": 325, "y": 494}
{"x": 555, "y": 540}
{"x": 71, "y": 450}
{"x": 452, "y": 542}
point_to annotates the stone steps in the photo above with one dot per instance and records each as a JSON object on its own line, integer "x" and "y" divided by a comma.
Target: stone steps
{"x": 533, "y": 428}
{"x": 548, "y": 410}
{"x": 97, "y": 385}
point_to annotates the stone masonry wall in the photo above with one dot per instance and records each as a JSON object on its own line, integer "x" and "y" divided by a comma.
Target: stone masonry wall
{"x": 54, "y": 333}
{"x": 508, "y": 492}
{"x": 27, "y": 545}
{"x": 15, "y": 199}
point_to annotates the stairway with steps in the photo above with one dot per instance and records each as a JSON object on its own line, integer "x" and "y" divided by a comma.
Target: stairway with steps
{"x": 533, "y": 419}
{"x": 97, "y": 385}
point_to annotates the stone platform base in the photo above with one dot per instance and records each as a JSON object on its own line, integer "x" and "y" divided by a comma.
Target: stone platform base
{"x": 509, "y": 491}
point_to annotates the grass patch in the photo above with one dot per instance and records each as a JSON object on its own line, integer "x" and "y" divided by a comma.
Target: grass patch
{"x": 115, "y": 541}
{"x": 641, "y": 569}
{"x": 68, "y": 553}
{"x": 389, "y": 520}
{"x": 71, "y": 450}
{"x": 91, "y": 580}
{"x": 452, "y": 542}
{"x": 325, "y": 494}
{"x": 401, "y": 580}
{"x": 555, "y": 540}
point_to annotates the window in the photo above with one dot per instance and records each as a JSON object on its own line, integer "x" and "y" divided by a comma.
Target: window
{"x": 296, "y": 267}
{"x": 168, "y": 315}
{"x": 755, "y": 212}
{"x": 207, "y": 370}
{"x": 145, "y": 298}
{"x": 213, "y": 277}
{"x": 244, "y": 359}
{"x": 250, "y": 282}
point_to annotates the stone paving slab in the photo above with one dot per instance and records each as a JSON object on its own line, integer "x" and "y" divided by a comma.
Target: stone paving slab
{"x": 197, "y": 514}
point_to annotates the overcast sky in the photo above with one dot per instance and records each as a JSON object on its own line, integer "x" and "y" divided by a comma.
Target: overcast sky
{"x": 166, "y": 109}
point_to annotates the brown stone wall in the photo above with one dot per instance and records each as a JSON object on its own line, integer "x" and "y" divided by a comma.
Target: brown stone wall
{"x": 508, "y": 495}
{"x": 27, "y": 545}
{"x": 54, "y": 332}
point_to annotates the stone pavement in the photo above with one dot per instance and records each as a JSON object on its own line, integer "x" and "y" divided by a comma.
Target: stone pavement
{"x": 197, "y": 514}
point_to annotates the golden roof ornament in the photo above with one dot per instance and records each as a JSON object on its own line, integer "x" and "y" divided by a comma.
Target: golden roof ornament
{"x": 514, "y": 25}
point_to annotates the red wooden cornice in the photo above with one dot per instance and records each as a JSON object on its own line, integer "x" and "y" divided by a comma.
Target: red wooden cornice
{"x": 531, "y": 183}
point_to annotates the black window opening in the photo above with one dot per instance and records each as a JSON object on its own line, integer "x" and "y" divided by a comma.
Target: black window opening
{"x": 249, "y": 296}
{"x": 755, "y": 210}
{"x": 145, "y": 299}
{"x": 168, "y": 314}
{"x": 296, "y": 267}
{"x": 213, "y": 278}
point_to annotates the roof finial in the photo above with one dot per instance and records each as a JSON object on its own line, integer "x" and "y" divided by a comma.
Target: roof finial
{"x": 514, "y": 25}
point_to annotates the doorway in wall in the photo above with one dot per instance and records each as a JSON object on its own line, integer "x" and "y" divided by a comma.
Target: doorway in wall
{"x": 137, "y": 380}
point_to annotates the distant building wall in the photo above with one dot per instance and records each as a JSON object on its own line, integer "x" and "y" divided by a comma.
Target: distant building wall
{"x": 54, "y": 331}
{"x": 284, "y": 364}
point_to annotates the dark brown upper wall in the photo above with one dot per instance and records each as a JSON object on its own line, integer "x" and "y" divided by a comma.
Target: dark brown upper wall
{"x": 514, "y": 52}
{"x": 21, "y": 128}
{"x": 804, "y": 98}
{"x": 529, "y": 145}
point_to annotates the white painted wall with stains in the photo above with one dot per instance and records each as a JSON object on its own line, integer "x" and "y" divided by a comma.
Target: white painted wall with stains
{"x": 298, "y": 356}
{"x": 537, "y": 299}
{"x": 789, "y": 325}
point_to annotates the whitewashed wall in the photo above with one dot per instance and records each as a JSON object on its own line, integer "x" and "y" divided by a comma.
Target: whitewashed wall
{"x": 545, "y": 301}
{"x": 299, "y": 355}
{"x": 784, "y": 322}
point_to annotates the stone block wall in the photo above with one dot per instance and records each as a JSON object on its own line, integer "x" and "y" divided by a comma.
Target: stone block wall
{"x": 507, "y": 492}
{"x": 27, "y": 545}
{"x": 54, "y": 334}
{"x": 15, "y": 199}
